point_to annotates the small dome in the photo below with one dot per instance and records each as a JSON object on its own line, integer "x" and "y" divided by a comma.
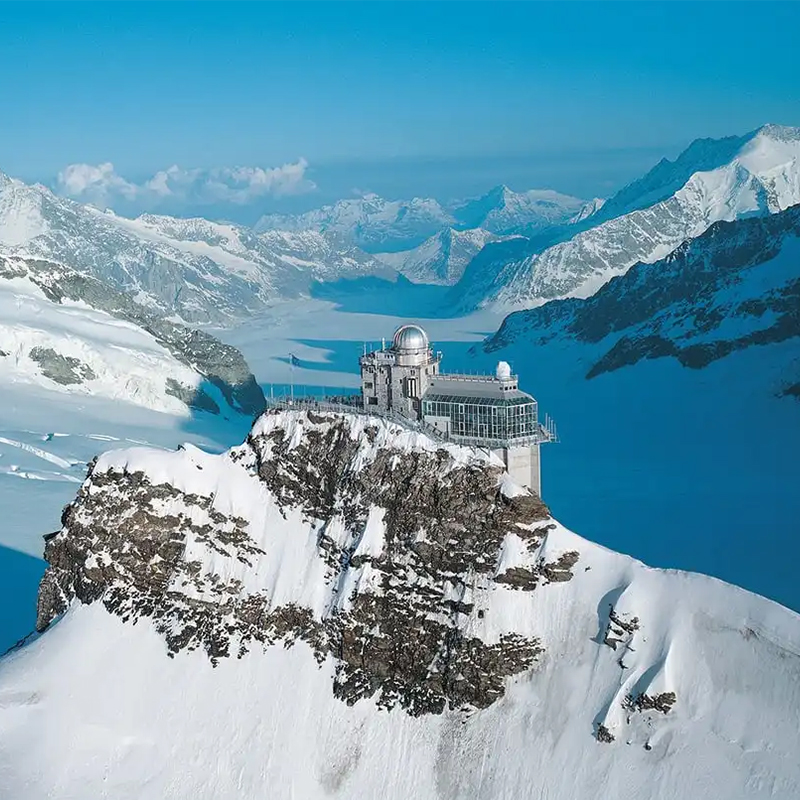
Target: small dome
{"x": 410, "y": 337}
{"x": 503, "y": 371}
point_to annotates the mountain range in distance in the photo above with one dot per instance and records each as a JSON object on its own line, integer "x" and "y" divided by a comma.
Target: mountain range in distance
{"x": 504, "y": 250}
{"x": 380, "y": 225}
{"x": 735, "y": 286}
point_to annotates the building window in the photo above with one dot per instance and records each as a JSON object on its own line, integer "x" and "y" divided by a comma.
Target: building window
{"x": 373, "y": 401}
{"x": 367, "y": 384}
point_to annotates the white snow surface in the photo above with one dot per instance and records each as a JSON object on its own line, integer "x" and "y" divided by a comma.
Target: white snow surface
{"x": 442, "y": 258}
{"x": 128, "y": 364}
{"x": 95, "y": 708}
{"x": 763, "y": 177}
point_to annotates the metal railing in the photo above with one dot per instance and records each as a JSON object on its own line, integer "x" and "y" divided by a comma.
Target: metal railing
{"x": 546, "y": 433}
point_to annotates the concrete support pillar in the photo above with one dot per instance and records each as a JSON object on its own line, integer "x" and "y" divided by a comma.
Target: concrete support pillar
{"x": 524, "y": 466}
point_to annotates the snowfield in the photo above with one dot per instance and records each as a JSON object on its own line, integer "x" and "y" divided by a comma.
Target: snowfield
{"x": 125, "y": 362}
{"x": 94, "y": 707}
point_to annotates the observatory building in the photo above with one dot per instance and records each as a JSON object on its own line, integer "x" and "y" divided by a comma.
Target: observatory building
{"x": 487, "y": 411}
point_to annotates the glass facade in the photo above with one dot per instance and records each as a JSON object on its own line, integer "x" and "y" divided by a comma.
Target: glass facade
{"x": 485, "y": 417}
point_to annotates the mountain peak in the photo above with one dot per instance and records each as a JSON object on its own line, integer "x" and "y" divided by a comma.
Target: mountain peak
{"x": 779, "y": 133}
{"x": 337, "y": 567}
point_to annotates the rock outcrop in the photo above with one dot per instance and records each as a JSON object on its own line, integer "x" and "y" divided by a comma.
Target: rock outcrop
{"x": 405, "y": 538}
{"x": 62, "y": 369}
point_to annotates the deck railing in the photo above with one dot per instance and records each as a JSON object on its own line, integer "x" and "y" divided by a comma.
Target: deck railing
{"x": 546, "y": 433}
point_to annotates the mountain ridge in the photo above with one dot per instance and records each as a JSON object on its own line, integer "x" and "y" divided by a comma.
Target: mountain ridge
{"x": 736, "y": 285}
{"x": 762, "y": 177}
{"x": 206, "y": 365}
{"x": 380, "y": 225}
{"x": 220, "y": 272}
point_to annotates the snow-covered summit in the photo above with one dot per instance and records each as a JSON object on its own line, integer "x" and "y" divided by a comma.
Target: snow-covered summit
{"x": 588, "y": 209}
{"x": 503, "y": 211}
{"x": 388, "y": 596}
{"x": 370, "y": 222}
{"x": 441, "y": 259}
{"x": 712, "y": 180}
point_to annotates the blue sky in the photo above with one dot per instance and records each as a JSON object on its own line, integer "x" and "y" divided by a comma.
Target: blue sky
{"x": 450, "y": 98}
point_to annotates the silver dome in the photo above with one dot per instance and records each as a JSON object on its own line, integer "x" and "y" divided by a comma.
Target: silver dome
{"x": 410, "y": 337}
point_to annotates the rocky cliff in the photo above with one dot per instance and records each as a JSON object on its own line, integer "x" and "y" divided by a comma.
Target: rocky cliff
{"x": 403, "y": 539}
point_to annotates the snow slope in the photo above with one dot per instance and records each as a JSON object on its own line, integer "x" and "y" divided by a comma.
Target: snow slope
{"x": 197, "y": 269}
{"x": 120, "y": 360}
{"x": 761, "y": 176}
{"x": 73, "y": 333}
{"x": 118, "y": 719}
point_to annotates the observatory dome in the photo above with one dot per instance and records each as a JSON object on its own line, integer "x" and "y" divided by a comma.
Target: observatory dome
{"x": 410, "y": 337}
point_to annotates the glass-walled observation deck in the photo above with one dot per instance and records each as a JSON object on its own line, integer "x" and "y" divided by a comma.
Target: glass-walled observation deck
{"x": 490, "y": 419}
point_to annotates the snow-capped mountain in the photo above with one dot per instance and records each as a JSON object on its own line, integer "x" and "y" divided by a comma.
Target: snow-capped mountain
{"x": 195, "y": 268}
{"x": 503, "y": 211}
{"x": 369, "y": 222}
{"x": 441, "y": 259}
{"x": 69, "y": 332}
{"x": 733, "y": 178}
{"x": 423, "y": 623}
{"x": 380, "y": 225}
{"x": 588, "y": 209}
{"x": 735, "y": 286}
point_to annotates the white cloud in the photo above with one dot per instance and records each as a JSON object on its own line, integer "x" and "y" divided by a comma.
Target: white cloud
{"x": 79, "y": 180}
{"x": 234, "y": 185}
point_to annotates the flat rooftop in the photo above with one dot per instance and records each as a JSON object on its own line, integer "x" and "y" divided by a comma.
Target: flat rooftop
{"x": 466, "y": 388}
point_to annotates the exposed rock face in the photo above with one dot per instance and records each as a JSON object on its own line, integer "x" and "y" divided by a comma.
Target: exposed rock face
{"x": 643, "y": 702}
{"x": 793, "y": 390}
{"x": 735, "y": 286}
{"x": 62, "y": 369}
{"x": 194, "y": 397}
{"x": 398, "y": 616}
{"x": 223, "y": 365}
